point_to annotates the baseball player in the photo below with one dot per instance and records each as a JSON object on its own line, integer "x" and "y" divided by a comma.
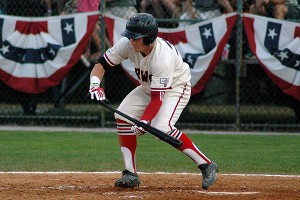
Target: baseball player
{"x": 163, "y": 93}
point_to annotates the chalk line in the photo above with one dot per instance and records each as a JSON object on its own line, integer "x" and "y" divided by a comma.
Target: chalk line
{"x": 166, "y": 173}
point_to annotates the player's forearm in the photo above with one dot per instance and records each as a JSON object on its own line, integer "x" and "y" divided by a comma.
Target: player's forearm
{"x": 153, "y": 107}
{"x": 98, "y": 71}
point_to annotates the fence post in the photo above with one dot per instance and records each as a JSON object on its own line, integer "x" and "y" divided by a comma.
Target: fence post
{"x": 102, "y": 50}
{"x": 239, "y": 50}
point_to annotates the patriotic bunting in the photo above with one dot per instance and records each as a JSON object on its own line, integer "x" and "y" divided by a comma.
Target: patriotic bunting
{"x": 37, "y": 53}
{"x": 276, "y": 44}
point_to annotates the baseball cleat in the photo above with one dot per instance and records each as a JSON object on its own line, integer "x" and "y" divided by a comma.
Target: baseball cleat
{"x": 209, "y": 174}
{"x": 129, "y": 180}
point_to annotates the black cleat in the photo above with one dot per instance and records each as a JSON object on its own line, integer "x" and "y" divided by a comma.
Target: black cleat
{"x": 209, "y": 174}
{"x": 129, "y": 180}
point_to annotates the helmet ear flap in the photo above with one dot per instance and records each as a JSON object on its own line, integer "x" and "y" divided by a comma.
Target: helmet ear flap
{"x": 151, "y": 37}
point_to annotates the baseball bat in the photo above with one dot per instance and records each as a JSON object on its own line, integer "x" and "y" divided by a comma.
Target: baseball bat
{"x": 154, "y": 131}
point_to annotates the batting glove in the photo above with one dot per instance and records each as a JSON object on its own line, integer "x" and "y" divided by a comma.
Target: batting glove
{"x": 139, "y": 130}
{"x": 95, "y": 90}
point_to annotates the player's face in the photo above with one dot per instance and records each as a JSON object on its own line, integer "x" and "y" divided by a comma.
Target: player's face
{"x": 138, "y": 45}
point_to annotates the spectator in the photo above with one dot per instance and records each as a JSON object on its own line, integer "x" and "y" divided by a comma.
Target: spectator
{"x": 203, "y": 10}
{"x": 70, "y": 7}
{"x": 92, "y": 51}
{"x": 246, "y": 4}
{"x": 121, "y": 8}
{"x": 28, "y": 102}
{"x": 60, "y": 6}
{"x": 87, "y": 6}
{"x": 3, "y": 6}
{"x": 293, "y": 9}
{"x": 279, "y": 9}
{"x": 269, "y": 8}
{"x": 30, "y": 8}
{"x": 48, "y": 5}
{"x": 158, "y": 8}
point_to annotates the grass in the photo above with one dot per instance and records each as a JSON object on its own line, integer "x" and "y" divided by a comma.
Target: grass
{"x": 75, "y": 151}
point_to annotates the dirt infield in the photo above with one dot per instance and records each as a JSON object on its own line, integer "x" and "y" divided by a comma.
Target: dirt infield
{"x": 154, "y": 186}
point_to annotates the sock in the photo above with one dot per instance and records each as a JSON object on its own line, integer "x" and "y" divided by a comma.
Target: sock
{"x": 128, "y": 144}
{"x": 189, "y": 148}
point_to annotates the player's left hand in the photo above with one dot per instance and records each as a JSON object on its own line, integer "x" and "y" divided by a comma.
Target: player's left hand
{"x": 97, "y": 92}
{"x": 139, "y": 130}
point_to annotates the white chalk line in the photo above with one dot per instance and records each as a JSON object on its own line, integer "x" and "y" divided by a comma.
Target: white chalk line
{"x": 228, "y": 193}
{"x": 163, "y": 173}
{"x": 196, "y": 190}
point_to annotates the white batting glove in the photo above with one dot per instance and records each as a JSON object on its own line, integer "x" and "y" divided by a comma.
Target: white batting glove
{"x": 139, "y": 130}
{"x": 95, "y": 90}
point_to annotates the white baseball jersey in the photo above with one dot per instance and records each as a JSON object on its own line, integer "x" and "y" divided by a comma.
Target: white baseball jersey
{"x": 162, "y": 69}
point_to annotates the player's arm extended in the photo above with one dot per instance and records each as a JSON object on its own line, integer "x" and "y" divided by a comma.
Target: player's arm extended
{"x": 150, "y": 112}
{"x": 100, "y": 67}
{"x": 98, "y": 71}
{"x": 153, "y": 106}
{"x": 96, "y": 76}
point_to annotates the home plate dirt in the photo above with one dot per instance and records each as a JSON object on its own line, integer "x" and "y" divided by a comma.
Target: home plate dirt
{"x": 154, "y": 186}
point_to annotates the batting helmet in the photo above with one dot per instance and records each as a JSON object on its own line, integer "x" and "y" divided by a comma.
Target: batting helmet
{"x": 141, "y": 25}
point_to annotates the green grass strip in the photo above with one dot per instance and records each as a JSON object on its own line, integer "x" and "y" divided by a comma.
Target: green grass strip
{"x": 75, "y": 151}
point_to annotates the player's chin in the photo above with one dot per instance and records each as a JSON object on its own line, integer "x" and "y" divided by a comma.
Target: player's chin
{"x": 136, "y": 49}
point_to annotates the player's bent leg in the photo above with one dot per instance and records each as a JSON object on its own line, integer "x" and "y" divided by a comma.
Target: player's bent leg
{"x": 128, "y": 144}
{"x": 208, "y": 168}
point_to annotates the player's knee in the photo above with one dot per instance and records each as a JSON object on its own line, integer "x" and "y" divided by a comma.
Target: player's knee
{"x": 161, "y": 126}
{"x": 120, "y": 118}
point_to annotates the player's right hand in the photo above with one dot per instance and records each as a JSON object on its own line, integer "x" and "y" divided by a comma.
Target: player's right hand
{"x": 97, "y": 92}
{"x": 139, "y": 130}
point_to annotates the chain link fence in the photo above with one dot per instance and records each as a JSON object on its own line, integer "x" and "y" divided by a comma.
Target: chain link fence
{"x": 238, "y": 96}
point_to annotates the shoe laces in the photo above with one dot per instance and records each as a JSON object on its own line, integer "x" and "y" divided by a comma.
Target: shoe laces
{"x": 131, "y": 176}
{"x": 206, "y": 171}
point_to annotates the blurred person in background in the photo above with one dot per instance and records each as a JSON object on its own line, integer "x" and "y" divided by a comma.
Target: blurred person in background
{"x": 92, "y": 51}
{"x": 203, "y": 10}
{"x": 29, "y": 8}
{"x": 161, "y": 8}
{"x": 121, "y": 8}
{"x": 293, "y": 10}
{"x": 278, "y": 9}
{"x": 60, "y": 4}
{"x": 269, "y": 8}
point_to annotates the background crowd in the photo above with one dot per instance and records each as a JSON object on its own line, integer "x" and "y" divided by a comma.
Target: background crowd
{"x": 170, "y": 14}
